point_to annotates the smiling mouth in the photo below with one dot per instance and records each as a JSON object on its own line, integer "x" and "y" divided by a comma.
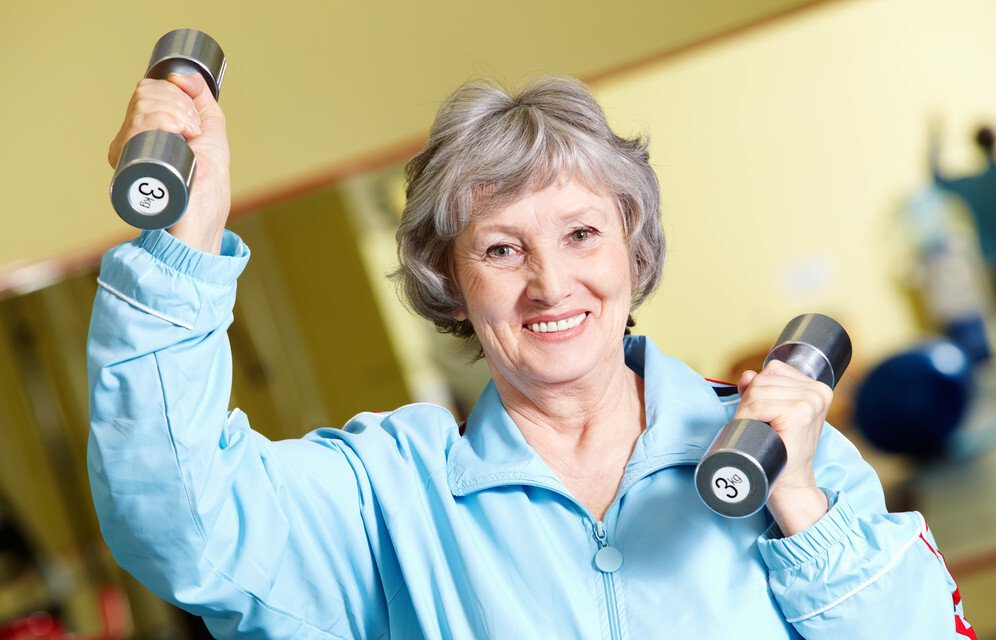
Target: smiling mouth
{"x": 561, "y": 325}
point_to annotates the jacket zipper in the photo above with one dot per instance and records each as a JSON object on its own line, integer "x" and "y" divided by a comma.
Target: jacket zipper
{"x": 600, "y": 531}
{"x": 601, "y": 536}
{"x": 608, "y": 583}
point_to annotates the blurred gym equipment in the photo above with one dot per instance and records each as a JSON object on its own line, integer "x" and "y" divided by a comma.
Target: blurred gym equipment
{"x": 913, "y": 401}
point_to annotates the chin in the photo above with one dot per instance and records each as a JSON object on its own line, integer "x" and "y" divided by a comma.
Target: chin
{"x": 559, "y": 368}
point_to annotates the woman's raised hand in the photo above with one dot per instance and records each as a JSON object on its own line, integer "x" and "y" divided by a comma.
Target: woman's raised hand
{"x": 184, "y": 105}
{"x": 796, "y": 407}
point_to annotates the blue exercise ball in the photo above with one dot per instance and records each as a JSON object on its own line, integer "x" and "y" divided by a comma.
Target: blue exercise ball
{"x": 913, "y": 401}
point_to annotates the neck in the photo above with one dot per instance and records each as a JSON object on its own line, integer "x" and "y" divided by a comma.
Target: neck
{"x": 581, "y": 423}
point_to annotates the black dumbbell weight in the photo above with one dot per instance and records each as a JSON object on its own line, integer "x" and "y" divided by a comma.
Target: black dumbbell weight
{"x": 151, "y": 184}
{"x": 745, "y": 459}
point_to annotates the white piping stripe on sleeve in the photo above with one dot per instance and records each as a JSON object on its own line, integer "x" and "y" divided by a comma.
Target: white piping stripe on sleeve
{"x": 148, "y": 310}
{"x": 867, "y": 582}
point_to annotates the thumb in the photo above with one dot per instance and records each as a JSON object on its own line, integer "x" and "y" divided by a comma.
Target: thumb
{"x": 745, "y": 380}
{"x": 195, "y": 86}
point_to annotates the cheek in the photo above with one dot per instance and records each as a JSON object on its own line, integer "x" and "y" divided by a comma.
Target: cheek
{"x": 487, "y": 293}
{"x": 614, "y": 274}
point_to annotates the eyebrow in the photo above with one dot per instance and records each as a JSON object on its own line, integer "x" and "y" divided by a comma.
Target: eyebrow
{"x": 489, "y": 226}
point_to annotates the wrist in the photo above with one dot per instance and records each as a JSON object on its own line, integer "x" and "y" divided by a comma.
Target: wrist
{"x": 203, "y": 223}
{"x": 207, "y": 240}
{"x": 796, "y": 508}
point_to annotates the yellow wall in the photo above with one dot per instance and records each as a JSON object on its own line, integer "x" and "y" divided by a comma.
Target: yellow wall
{"x": 310, "y": 85}
{"x": 784, "y": 156}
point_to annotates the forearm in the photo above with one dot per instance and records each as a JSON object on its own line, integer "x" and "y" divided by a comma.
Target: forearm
{"x": 199, "y": 507}
{"x": 858, "y": 571}
{"x": 860, "y": 575}
{"x": 159, "y": 373}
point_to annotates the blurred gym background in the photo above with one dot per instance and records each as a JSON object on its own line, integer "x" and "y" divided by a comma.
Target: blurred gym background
{"x": 813, "y": 156}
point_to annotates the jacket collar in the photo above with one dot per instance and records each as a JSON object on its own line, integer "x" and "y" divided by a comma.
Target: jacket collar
{"x": 683, "y": 414}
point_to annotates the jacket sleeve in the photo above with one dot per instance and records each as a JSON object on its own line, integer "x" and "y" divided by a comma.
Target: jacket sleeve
{"x": 262, "y": 539}
{"x": 861, "y": 572}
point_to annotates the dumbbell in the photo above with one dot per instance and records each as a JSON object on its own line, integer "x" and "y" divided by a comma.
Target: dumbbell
{"x": 746, "y": 457}
{"x": 151, "y": 184}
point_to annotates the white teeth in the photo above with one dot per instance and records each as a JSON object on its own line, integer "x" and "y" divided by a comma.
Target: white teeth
{"x": 562, "y": 325}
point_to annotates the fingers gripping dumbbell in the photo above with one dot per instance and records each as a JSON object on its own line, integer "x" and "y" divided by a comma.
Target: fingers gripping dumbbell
{"x": 151, "y": 184}
{"x": 745, "y": 459}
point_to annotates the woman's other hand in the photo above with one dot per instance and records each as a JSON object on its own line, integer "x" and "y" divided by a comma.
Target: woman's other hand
{"x": 796, "y": 407}
{"x": 184, "y": 105}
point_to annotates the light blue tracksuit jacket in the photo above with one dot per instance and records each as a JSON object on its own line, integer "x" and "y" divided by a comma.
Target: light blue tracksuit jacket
{"x": 399, "y": 526}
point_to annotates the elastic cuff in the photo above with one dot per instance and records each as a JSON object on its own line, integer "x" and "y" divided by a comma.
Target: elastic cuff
{"x": 223, "y": 269}
{"x": 824, "y": 535}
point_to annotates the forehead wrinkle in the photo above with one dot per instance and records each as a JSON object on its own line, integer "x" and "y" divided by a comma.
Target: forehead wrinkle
{"x": 537, "y": 214}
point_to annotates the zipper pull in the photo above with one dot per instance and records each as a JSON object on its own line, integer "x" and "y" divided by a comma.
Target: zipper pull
{"x": 607, "y": 559}
{"x": 600, "y": 534}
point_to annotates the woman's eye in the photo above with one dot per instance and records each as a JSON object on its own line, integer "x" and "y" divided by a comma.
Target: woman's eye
{"x": 579, "y": 235}
{"x": 500, "y": 251}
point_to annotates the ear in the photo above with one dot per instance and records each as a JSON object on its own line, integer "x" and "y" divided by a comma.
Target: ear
{"x": 459, "y": 315}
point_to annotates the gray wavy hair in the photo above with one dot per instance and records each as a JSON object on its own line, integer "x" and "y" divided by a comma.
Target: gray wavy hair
{"x": 487, "y": 149}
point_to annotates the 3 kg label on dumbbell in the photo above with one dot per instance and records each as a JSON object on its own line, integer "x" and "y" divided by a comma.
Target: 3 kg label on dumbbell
{"x": 730, "y": 484}
{"x": 148, "y": 196}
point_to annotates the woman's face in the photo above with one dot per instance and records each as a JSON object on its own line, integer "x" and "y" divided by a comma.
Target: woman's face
{"x": 547, "y": 285}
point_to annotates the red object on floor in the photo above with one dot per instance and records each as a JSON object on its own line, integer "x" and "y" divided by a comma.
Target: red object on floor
{"x": 115, "y": 614}
{"x": 37, "y": 626}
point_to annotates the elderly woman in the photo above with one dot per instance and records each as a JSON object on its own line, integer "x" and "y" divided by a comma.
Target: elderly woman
{"x": 565, "y": 508}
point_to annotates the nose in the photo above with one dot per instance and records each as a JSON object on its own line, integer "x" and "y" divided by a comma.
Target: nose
{"x": 550, "y": 278}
